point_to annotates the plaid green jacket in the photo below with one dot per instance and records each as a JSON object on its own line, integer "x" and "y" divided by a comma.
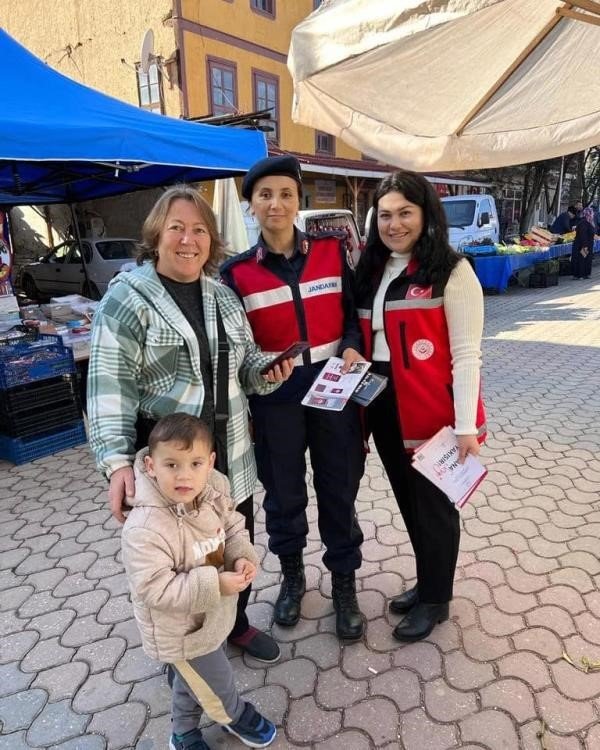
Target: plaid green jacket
{"x": 145, "y": 359}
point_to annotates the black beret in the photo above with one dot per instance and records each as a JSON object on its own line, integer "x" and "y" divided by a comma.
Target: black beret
{"x": 288, "y": 166}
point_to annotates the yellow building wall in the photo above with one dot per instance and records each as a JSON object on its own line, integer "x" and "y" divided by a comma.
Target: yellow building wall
{"x": 237, "y": 20}
{"x": 95, "y": 42}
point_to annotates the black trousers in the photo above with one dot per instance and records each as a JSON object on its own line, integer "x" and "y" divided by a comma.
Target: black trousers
{"x": 581, "y": 266}
{"x": 430, "y": 518}
{"x": 282, "y": 433}
{"x": 246, "y": 508}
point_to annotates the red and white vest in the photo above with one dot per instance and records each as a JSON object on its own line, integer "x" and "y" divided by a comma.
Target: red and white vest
{"x": 274, "y": 313}
{"x": 416, "y": 332}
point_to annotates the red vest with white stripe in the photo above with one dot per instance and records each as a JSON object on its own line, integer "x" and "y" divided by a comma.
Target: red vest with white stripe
{"x": 270, "y": 306}
{"x": 416, "y": 332}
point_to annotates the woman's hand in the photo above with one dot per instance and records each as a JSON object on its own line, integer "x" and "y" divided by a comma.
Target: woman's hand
{"x": 467, "y": 444}
{"x": 350, "y": 356}
{"x": 122, "y": 484}
{"x": 281, "y": 372}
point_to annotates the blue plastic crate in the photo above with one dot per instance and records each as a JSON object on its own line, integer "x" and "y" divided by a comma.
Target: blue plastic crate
{"x": 27, "y": 362}
{"x": 22, "y": 450}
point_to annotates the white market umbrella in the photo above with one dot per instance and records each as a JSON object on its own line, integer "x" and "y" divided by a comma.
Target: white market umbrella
{"x": 230, "y": 219}
{"x": 451, "y": 84}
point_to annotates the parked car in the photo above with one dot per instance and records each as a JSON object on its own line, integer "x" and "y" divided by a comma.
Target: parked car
{"x": 61, "y": 271}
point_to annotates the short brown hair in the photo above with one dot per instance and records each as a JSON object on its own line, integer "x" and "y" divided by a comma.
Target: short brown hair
{"x": 179, "y": 428}
{"x": 155, "y": 222}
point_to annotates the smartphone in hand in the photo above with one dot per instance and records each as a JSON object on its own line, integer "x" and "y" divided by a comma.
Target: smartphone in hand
{"x": 291, "y": 352}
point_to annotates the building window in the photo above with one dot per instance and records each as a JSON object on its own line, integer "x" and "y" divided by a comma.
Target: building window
{"x": 150, "y": 88}
{"x": 222, "y": 86}
{"x": 267, "y": 7}
{"x": 324, "y": 143}
{"x": 266, "y": 96}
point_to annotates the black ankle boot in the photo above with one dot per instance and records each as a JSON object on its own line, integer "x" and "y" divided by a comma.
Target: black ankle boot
{"x": 420, "y": 621}
{"x": 403, "y": 602}
{"x": 348, "y": 620}
{"x": 293, "y": 586}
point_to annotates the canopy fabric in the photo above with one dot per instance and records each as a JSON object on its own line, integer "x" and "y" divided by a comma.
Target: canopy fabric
{"x": 62, "y": 142}
{"x": 230, "y": 218}
{"x": 451, "y": 84}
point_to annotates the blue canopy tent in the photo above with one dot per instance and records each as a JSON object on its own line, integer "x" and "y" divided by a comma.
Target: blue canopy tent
{"x": 62, "y": 142}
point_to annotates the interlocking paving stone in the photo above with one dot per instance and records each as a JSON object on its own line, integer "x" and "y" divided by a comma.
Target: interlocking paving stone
{"x": 13, "y": 680}
{"x": 55, "y": 724}
{"x": 512, "y": 696}
{"x": 492, "y": 728}
{"x": 16, "y": 645}
{"x": 88, "y": 603}
{"x": 134, "y": 666}
{"x": 46, "y": 580}
{"x": 377, "y": 717}
{"x": 99, "y": 692}
{"x": 17, "y": 711}
{"x": 116, "y": 609}
{"x": 83, "y": 631}
{"x": 103, "y": 654}
{"x": 46, "y": 654}
{"x": 309, "y": 723}
{"x": 156, "y": 694}
{"x": 298, "y": 675}
{"x": 419, "y": 732}
{"x": 63, "y": 681}
{"x": 53, "y": 623}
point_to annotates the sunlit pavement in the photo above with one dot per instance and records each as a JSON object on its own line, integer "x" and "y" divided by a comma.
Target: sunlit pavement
{"x": 73, "y": 675}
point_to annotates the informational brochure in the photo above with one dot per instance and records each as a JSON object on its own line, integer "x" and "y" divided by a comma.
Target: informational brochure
{"x": 332, "y": 389}
{"x": 437, "y": 459}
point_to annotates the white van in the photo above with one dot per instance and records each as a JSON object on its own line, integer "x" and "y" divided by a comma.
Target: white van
{"x": 317, "y": 220}
{"x": 470, "y": 218}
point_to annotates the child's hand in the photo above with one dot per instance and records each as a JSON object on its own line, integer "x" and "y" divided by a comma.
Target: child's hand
{"x": 244, "y": 566}
{"x": 232, "y": 583}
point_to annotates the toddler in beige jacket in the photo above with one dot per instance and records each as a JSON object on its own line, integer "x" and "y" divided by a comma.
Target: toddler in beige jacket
{"x": 187, "y": 555}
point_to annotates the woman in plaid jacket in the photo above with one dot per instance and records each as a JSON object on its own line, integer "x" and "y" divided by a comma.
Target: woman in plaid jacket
{"x": 154, "y": 351}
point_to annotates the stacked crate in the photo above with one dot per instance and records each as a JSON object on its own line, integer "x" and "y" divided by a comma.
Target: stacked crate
{"x": 40, "y": 410}
{"x": 544, "y": 274}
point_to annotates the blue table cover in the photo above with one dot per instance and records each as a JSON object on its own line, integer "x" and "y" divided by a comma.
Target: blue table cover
{"x": 495, "y": 271}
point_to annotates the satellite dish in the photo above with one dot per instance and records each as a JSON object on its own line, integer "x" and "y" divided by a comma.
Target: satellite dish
{"x": 147, "y": 51}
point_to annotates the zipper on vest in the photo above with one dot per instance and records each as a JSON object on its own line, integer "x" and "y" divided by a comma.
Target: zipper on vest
{"x": 404, "y": 347}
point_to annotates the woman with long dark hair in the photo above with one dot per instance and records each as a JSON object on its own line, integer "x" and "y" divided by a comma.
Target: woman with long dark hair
{"x": 421, "y": 311}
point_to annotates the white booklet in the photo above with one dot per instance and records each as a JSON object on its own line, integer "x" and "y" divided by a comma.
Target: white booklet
{"x": 437, "y": 459}
{"x": 332, "y": 389}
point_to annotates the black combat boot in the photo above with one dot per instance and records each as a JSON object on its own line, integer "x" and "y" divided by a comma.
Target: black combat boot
{"x": 348, "y": 620}
{"x": 293, "y": 586}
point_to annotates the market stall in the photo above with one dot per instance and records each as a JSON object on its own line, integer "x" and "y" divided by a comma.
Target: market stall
{"x": 495, "y": 271}
{"x": 62, "y": 142}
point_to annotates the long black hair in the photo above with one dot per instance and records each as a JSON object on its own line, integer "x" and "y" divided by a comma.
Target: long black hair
{"x": 433, "y": 252}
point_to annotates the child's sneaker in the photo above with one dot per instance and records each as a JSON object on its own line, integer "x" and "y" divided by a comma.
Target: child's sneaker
{"x": 189, "y": 741}
{"x": 252, "y": 728}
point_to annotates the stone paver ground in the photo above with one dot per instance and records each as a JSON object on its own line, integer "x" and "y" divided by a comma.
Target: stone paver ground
{"x": 73, "y": 675}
